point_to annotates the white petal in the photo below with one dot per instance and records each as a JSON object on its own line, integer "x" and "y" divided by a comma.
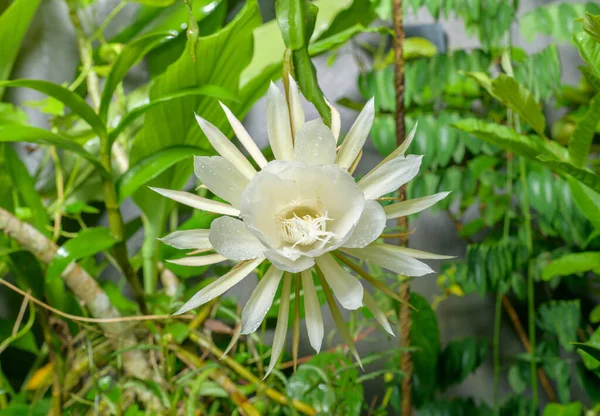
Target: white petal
{"x": 225, "y": 148}
{"x": 346, "y": 287}
{"x": 260, "y": 301}
{"x": 220, "y": 177}
{"x": 391, "y": 260}
{"x": 244, "y": 138}
{"x": 412, "y": 206}
{"x": 231, "y": 239}
{"x": 314, "y": 143}
{"x": 221, "y": 285}
{"x": 292, "y": 266}
{"x": 296, "y": 111}
{"x": 198, "y": 202}
{"x": 312, "y": 311}
{"x": 390, "y": 176}
{"x": 188, "y": 239}
{"x": 415, "y": 254}
{"x": 199, "y": 260}
{"x": 356, "y": 137}
{"x": 372, "y": 305}
{"x": 336, "y": 121}
{"x": 369, "y": 226}
{"x": 399, "y": 151}
{"x": 234, "y": 340}
{"x": 278, "y": 124}
{"x": 282, "y": 324}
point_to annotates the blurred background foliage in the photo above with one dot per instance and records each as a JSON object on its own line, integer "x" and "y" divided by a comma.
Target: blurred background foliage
{"x": 534, "y": 244}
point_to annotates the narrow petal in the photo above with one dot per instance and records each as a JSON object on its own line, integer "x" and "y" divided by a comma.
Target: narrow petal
{"x": 231, "y": 238}
{"x": 221, "y": 285}
{"x": 282, "y": 323}
{"x": 391, "y": 260}
{"x": 195, "y": 201}
{"x": 312, "y": 311}
{"x": 296, "y": 111}
{"x": 399, "y": 151}
{"x": 390, "y": 176}
{"x": 244, "y": 138}
{"x": 412, "y": 206}
{"x": 346, "y": 287}
{"x": 261, "y": 300}
{"x": 415, "y": 254}
{"x": 220, "y": 177}
{"x": 314, "y": 143}
{"x": 225, "y": 148}
{"x": 188, "y": 239}
{"x": 369, "y": 226}
{"x": 278, "y": 125}
{"x": 234, "y": 339}
{"x": 336, "y": 121}
{"x": 357, "y": 136}
{"x": 292, "y": 266}
{"x": 199, "y": 260}
{"x": 372, "y": 305}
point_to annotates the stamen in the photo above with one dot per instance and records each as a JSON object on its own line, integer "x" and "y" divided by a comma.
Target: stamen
{"x": 305, "y": 229}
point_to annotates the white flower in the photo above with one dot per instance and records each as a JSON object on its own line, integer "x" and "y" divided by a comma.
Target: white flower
{"x": 295, "y": 212}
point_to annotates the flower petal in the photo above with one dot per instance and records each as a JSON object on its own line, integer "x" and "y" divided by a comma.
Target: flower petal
{"x": 369, "y": 226}
{"x": 199, "y": 260}
{"x": 412, "y": 206}
{"x": 312, "y": 311}
{"x": 221, "y": 285}
{"x": 390, "y": 176}
{"x": 231, "y": 239}
{"x": 399, "y": 151}
{"x": 296, "y": 111}
{"x": 356, "y": 137}
{"x": 391, "y": 260}
{"x": 278, "y": 124}
{"x": 188, "y": 239}
{"x": 244, "y": 138}
{"x": 346, "y": 287}
{"x": 336, "y": 121}
{"x": 195, "y": 201}
{"x": 260, "y": 301}
{"x": 416, "y": 254}
{"x": 220, "y": 177}
{"x": 282, "y": 323}
{"x": 292, "y": 266}
{"x": 225, "y": 148}
{"x": 372, "y": 305}
{"x": 314, "y": 143}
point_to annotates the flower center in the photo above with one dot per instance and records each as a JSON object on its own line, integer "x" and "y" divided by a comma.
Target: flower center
{"x": 303, "y": 225}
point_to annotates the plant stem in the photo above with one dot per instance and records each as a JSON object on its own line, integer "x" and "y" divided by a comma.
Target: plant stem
{"x": 406, "y": 364}
{"x": 497, "y": 320}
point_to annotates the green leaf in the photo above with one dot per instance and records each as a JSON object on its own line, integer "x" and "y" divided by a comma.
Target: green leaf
{"x": 590, "y": 349}
{"x": 589, "y": 50}
{"x": 543, "y": 84}
{"x": 87, "y": 243}
{"x": 572, "y": 264}
{"x": 591, "y": 24}
{"x": 11, "y": 114}
{"x": 424, "y": 336}
{"x": 296, "y": 20}
{"x": 65, "y": 96}
{"x": 178, "y": 330}
{"x": 15, "y": 133}
{"x": 587, "y": 200}
{"x": 25, "y": 343}
{"x": 154, "y": 3}
{"x": 120, "y": 301}
{"x": 580, "y": 142}
{"x": 516, "y": 380}
{"x": 459, "y": 359}
{"x": 556, "y": 20}
{"x": 555, "y": 409}
{"x": 14, "y": 23}
{"x": 519, "y": 99}
{"x": 584, "y": 176}
{"x": 561, "y": 318}
{"x": 151, "y": 167}
{"x": 135, "y": 113}
{"x": 456, "y": 406}
{"x": 129, "y": 56}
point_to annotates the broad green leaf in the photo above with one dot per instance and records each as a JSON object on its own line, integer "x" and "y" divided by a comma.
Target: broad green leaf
{"x": 135, "y": 113}
{"x": 11, "y": 114}
{"x": 543, "y": 84}
{"x": 15, "y": 133}
{"x": 129, "y": 56}
{"x": 586, "y": 177}
{"x": 424, "y": 336}
{"x": 151, "y": 167}
{"x": 561, "y": 318}
{"x": 65, "y": 96}
{"x": 590, "y": 351}
{"x": 119, "y": 300}
{"x": 591, "y": 24}
{"x": 459, "y": 359}
{"x": 87, "y": 243}
{"x": 589, "y": 50}
{"x": 520, "y": 100}
{"x": 555, "y": 409}
{"x": 14, "y": 23}
{"x": 580, "y": 142}
{"x": 25, "y": 185}
{"x": 360, "y": 12}
{"x": 572, "y": 264}
{"x": 556, "y": 20}
{"x": 154, "y": 3}
{"x": 337, "y": 39}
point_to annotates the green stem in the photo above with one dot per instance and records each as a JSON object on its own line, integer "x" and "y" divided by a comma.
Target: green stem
{"x": 509, "y": 185}
{"x": 497, "y": 320}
